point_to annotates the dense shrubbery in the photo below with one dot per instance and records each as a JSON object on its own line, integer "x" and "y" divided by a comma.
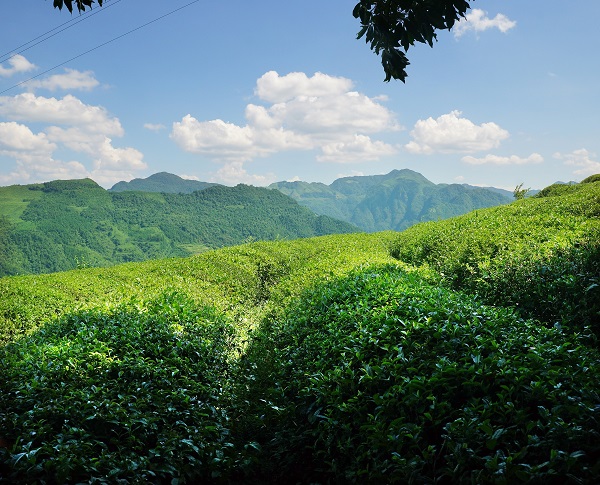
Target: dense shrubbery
{"x": 541, "y": 255}
{"x": 132, "y": 394}
{"x": 318, "y": 360}
{"x": 382, "y": 378}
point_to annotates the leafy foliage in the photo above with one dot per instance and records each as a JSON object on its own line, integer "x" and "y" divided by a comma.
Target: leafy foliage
{"x": 393, "y": 26}
{"x": 129, "y": 394}
{"x": 80, "y": 4}
{"x": 519, "y": 192}
{"x": 379, "y": 377}
{"x": 541, "y": 254}
{"x": 233, "y": 279}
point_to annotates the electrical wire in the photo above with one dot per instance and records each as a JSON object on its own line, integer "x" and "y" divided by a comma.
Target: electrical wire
{"x": 99, "y": 46}
{"x": 74, "y": 21}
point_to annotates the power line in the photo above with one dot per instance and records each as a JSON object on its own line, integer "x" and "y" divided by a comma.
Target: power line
{"x": 74, "y": 21}
{"x": 99, "y": 46}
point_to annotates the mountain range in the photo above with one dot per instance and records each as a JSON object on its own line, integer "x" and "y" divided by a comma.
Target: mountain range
{"x": 63, "y": 224}
{"x": 395, "y": 201}
{"x": 60, "y": 225}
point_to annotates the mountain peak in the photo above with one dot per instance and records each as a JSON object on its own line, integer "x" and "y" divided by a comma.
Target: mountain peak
{"x": 162, "y": 182}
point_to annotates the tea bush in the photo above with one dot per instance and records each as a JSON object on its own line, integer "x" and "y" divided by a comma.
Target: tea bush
{"x": 133, "y": 394}
{"x": 541, "y": 254}
{"x": 236, "y": 280}
{"x": 379, "y": 377}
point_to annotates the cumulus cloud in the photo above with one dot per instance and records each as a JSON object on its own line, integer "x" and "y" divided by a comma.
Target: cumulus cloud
{"x": 478, "y": 21}
{"x": 17, "y": 64}
{"x": 321, "y": 113}
{"x": 32, "y": 154}
{"x": 15, "y": 137}
{"x": 450, "y": 133}
{"x": 68, "y": 124}
{"x": 233, "y": 173}
{"x": 66, "y": 111}
{"x": 583, "y": 159}
{"x": 360, "y": 148}
{"x": 71, "y": 79}
{"x": 273, "y": 88}
{"x": 498, "y": 160}
{"x": 154, "y": 126}
{"x": 109, "y": 162}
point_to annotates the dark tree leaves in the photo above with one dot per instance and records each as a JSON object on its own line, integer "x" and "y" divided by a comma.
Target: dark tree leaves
{"x": 80, "y": 4}
{"x": 392, "y": 26}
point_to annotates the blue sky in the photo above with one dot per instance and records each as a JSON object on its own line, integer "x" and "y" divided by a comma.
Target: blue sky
{"x": 258, "y": 92}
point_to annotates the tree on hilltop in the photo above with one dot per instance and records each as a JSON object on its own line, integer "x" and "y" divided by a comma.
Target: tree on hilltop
{"x": 390, "y": 26}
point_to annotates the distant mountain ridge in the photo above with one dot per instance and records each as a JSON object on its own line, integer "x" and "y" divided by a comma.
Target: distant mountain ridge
{"x": 162, "y": 182}
{"x": 60, "y": 225}
{"x": 393, "y": 201}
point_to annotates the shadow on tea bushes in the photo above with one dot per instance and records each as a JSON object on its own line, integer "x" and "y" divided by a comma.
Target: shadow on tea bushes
{"x": 128, "y": 395}
{"x": 379, "y": 377}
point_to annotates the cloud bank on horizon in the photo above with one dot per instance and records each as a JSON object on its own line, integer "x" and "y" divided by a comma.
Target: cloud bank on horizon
{"x": 50, "y": 130}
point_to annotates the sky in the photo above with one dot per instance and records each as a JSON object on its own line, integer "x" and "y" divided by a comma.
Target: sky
{"x": 259, "y": 92}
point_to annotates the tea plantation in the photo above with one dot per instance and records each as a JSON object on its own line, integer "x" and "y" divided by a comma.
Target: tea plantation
{"x": 460, "y": 351}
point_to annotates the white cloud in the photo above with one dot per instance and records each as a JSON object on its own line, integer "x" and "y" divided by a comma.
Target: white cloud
{"x": 216, "y": 137}
{"x": 69, "y": 124}
{"x": 66, "y": 111}
{"x": 32, "y": 154}
{"x": 360, "y": 148}
{"x": 98, "y": 146}
{"x": 498, "y": 160}
{"x": 583, "y": 159}
{"x": 17, "y": 64}
{"x": 450, "y": 133}
{"x": 352, "y": 173}
{"x": 301, "y": 113}
{"x": 273, "y": 88}
{"x": 71, "y": 79}
{"x": 15, "y": 138}
{"x": 189, "y": 177}
{"x": 154, "y": 126}
{"x": 233, "y": 173}
{"x": 478, "y": 21}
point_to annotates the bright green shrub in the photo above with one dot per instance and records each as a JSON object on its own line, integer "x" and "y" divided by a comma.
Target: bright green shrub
{"x": 541, "y": 254}
{"x": 379, "y": 377}
{"x": 591, "y": 179}
{"x": 130, "y": 395}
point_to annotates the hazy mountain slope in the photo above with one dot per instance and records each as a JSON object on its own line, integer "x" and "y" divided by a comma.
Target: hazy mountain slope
{"x": 162, "y": 182}
{"x": 60, "y": 225}
{"x": 395, "y": 201}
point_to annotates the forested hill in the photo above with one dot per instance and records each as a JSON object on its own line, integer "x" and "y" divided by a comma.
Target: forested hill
{"x": 61, "y": 225}
{"x": 394, "y": 201}
{"x": 162, "y": 182}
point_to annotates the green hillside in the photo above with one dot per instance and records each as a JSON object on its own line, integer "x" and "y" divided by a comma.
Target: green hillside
{"x": 393, "y": 201}
{"x": 162, "y": 182}
{"x": 61, "y": 225}
{"x": 459, "y": 351}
